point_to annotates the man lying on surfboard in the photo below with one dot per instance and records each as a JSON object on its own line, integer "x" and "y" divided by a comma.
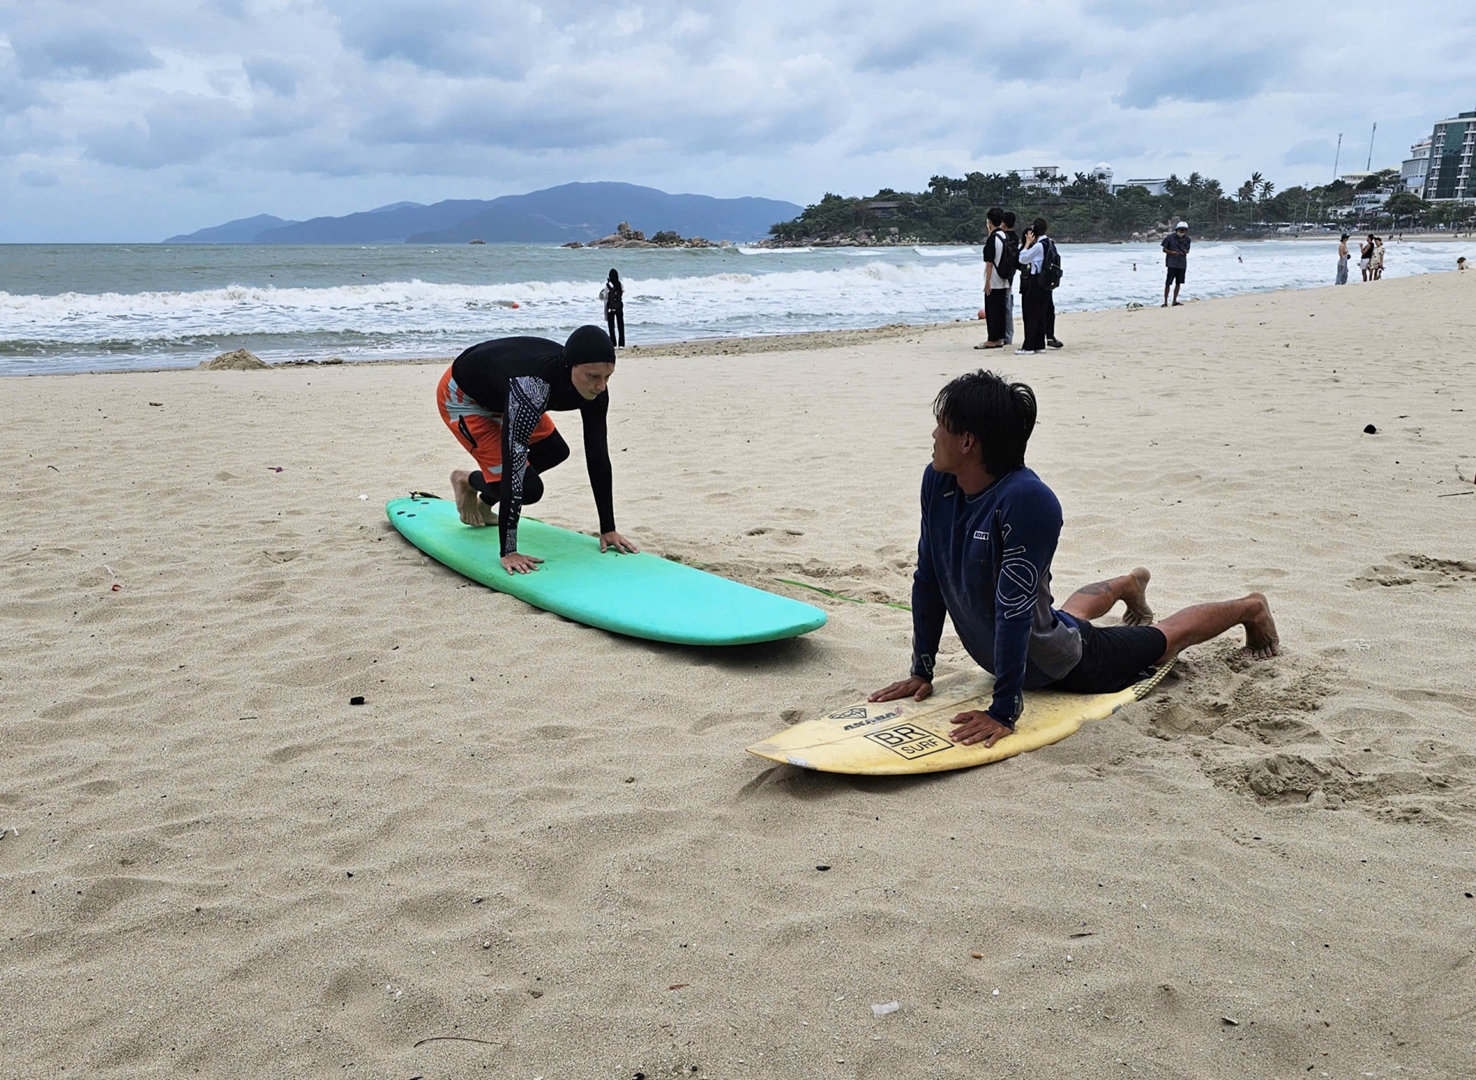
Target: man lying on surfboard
{"x": 496, "y": 398}
{"x": 989, "y": 531}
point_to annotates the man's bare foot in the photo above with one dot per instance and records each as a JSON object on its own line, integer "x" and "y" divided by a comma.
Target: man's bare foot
{"x": 1135, "y": 596}
{"x": 468, "y": 505}
{"x": 1261, "y": 639}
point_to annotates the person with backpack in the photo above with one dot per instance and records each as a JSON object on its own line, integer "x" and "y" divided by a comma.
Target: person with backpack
{"x": 1040, "y": 272}
{"x": 996, "y": 285}
{"x": 613, "y": 294}
{"x": 1008, "y": 267}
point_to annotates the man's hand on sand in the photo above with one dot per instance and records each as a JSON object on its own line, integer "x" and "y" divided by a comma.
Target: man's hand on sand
{"x": 978, "y": 727}
{"x": 613, "y": 541}
{"x": 914, "y": 687}
{"x": 520, "y": 564}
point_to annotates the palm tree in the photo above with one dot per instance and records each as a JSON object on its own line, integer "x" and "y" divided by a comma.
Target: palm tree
{"x": 1267, "y": 187}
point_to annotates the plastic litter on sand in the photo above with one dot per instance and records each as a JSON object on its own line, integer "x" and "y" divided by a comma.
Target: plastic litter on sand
{"x": 882, "y": 1010}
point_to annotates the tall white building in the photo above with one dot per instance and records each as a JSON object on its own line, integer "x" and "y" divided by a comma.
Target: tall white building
{"x": 1416, "y": 168}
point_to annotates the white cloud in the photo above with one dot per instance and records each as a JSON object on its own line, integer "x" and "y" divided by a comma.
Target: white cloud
{"x": 142, "y": 109}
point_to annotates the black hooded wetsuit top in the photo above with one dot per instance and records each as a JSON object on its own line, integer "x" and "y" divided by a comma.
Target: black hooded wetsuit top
{"x": 518, "y": 379}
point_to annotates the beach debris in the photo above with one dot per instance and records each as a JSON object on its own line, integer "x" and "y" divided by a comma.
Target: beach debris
{"x": 1133, "y": 305}
{"x": 363, "y": 498}
{"x": 1369, "y": 429}
{"x": 357, "y": 699}
{"x": 884, "y": 1009}
{"x": 822, "y": 868}
{"x": 977, "y": 955}
{"x": 117, "y": 587}
{"x": 453, "y": 1038}
{"x": 476, "y": 899}
{"x": 274, "y": 468}
{"x": 535, "y": 993}
{"x": 678, "y": 986}
{"x": 1228, "y": 1022}
{"x": 235, "y": 360}
{"x": 156, "y": 404}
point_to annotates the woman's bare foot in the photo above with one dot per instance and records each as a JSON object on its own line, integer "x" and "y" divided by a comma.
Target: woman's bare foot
{"x": 1261, "y": 639}
{"x": 468, "y": 505}
{"x": 1135, "y": 596}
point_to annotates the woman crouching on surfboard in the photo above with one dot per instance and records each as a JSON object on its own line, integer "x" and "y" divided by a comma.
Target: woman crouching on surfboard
{"x": 496, "y": 398}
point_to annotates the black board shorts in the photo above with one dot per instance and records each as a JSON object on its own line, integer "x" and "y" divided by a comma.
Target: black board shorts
{"x": 1112, "y": 658}
{"x": 1175, "y": 273}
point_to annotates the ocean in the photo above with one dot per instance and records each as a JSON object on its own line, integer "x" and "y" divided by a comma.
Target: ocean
{"x": 67, "y": 308}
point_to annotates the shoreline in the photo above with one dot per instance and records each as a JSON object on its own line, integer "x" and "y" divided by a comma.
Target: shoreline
{"x": 733, "y": 346}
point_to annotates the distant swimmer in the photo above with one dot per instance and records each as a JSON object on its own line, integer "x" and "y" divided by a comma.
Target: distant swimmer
{"x": 1176, "y": 258}
{"x": 990, "y": 527}
{"x": 496, "y": 398}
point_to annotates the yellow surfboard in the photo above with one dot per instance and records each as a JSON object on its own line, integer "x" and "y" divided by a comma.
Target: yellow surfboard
{"x": 896, "y": 737}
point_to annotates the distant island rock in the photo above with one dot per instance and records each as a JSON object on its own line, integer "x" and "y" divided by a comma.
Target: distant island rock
{"x": 626, "y": 237}
{"x": 583, "y": 213}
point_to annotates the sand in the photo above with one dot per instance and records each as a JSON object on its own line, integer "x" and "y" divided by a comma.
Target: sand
{"x": 543, "y": 848}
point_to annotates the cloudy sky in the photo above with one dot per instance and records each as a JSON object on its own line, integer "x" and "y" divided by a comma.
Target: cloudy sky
{"x": 130, "y": 120}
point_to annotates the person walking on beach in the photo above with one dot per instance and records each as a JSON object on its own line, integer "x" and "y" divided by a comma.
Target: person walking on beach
{"x": 1037, "y": 258}
{"x": 1342, "y": 278}
{"x": 996, "y": 287}
{"x": 1176, "y": 258}
{"x": 613, "y": 294}
{"x": 990, "y": 527}
{"x": 1365, "y": 258}
{"x": 1376, "y": 262}
{"x": 496, "y": 398}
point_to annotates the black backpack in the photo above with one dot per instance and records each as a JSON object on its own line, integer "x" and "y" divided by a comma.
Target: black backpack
{"x": 1050, "y": 268}
{"x": 1009, "y": 259}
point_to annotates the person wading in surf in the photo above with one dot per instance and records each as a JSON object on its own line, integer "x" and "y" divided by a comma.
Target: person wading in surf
{"x": 989, "y": 531}
{"x": 496, "y": 398}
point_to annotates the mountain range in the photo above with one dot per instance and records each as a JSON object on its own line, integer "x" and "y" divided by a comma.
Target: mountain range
{"x": 557, "y": 215}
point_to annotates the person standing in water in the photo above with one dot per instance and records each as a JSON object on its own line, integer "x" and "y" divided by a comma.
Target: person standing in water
{"x": 496, "y": 398}
{"x": 1342, "y": 278}
{"x": 614, "y": 296}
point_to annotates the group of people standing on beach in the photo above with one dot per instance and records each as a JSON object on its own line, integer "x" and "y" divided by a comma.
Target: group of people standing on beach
{"x": 1038, "y": 263}
{"x": 1370, "y": 259}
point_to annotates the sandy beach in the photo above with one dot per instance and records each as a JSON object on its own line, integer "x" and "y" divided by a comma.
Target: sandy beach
{"x": 539, "y": 850}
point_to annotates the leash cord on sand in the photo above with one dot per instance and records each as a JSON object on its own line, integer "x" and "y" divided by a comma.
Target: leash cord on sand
{"x": 841, "y": 596}
{"x": 455, "y": 1038}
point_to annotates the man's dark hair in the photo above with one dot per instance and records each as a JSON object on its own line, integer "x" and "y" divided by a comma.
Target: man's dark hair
{"x": 1040, "y": 227}
{"x": 999, "y": 414}
{"x": 1345, "y": 238}
{"x": 1009, "y": 219}
{"x": 995, "y": 216}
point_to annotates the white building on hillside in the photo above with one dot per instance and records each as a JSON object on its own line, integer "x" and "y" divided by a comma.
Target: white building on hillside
{"x": 1155, "y": 186}
{"x": 1041, "y": 178}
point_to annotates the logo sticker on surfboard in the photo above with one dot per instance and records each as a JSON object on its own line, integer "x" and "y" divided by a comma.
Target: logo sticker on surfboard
{"x": 910, "y": 741}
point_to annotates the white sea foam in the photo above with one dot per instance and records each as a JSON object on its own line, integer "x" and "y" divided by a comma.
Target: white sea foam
{"x": 664, "y": 300}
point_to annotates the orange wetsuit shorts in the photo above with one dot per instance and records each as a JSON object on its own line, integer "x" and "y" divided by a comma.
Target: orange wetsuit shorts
{"x": 479, "y": 429}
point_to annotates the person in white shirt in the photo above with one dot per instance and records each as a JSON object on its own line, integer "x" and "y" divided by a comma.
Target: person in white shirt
{"x": 996, "y": 286}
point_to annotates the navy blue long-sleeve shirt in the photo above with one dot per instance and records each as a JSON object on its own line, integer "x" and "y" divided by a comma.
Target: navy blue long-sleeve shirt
{"x": 985, "y": 561}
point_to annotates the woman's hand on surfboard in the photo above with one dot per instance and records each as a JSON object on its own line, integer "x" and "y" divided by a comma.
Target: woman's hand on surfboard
{"x": 978, "y": 726}
{"x": 912, "y": 686}
{"x": 613, "y": 539}
{"x": 520, "y": 564}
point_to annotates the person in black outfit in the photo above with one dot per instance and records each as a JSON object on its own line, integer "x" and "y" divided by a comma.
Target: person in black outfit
{"x": 496, "y": 397}
{"x": 1035, "y": 295}
{"x": 614, "y": 294}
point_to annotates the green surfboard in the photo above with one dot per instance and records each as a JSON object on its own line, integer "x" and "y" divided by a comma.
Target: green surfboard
{"x": 637, "y": 595}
